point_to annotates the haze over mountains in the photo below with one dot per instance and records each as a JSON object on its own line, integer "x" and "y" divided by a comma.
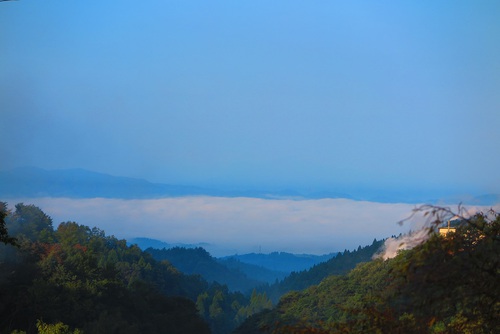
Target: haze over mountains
{"x": 81, "y": 183}
{"x": 282, "y": 262}
{"x": 188, "y": 156}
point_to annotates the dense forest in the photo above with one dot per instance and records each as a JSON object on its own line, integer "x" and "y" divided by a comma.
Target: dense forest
{"x": 281, "y": 261}
{"x": 76, "y": 279}
{"x": 340, "y": 264}
{"x": 449, "y": 284}
{"x": 199, "y": 261}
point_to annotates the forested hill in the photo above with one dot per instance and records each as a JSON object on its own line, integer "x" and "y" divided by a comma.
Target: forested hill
{"x": 238, "y": 272}
{"x": 239, "y": 276}
{"x": 255, "y": 272}
{"x": 340, "y": 264}
{"x": 76, "y": 278}
{"x": 145, "y": 243}
{"x": 446, "y": 285}
{"x": 199, "y": 261}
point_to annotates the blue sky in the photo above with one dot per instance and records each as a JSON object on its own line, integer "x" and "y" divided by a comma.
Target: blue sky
{"x": 323, "y": 94}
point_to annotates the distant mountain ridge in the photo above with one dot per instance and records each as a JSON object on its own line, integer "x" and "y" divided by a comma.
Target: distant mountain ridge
{"x": 276, "y": 261}
{"x": 258, "y": 268}
{"x": 145, "y": 243}
{"x": 281, "y": 261}
{"x": 81, "y": 183}
{"x": 197, "y": 261}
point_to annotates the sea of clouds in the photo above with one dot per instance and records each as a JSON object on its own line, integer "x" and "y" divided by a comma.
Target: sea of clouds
{"x": 238, "y": 225}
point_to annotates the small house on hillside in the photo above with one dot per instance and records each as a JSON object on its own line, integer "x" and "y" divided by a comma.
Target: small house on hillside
{"x": 455, "y": 221}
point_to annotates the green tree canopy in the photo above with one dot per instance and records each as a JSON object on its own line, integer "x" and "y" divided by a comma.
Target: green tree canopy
{"x": 31, "y": 223}
{"x": 4, "y": 235}
{"x": 449, "y": 284}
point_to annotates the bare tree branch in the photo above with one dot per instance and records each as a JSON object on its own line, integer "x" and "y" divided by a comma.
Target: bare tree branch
{"x": 439, "y": 214}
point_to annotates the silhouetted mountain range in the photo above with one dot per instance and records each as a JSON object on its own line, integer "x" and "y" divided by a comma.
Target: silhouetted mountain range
{"x": 239, "y": 272}
{"x": 281, "y": 261}
{"x": 197, "y": 261}
{"x": 145, "y": 243}
{"x": 81, "y": 183}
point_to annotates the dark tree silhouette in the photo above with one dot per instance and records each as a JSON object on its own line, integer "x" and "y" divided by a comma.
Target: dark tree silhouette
{"x": 4, "y": 235}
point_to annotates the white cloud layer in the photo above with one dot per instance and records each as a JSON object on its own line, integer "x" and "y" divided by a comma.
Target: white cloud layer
{"x": 237, "y": 225}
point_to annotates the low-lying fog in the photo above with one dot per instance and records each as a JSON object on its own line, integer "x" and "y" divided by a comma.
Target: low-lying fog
{"x": 237, "y": 225}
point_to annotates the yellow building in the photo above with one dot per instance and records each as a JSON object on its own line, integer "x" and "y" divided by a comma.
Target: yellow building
{"x": 446, "y": 230}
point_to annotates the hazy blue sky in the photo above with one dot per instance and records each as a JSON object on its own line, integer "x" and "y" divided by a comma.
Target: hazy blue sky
{"x": 255, "y": 93}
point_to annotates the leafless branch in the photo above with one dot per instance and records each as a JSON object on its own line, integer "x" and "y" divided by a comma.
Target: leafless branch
{"x": 439, "y": 214}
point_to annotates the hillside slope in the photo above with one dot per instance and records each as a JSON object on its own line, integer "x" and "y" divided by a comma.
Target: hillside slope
{"x": 446, "y": 285}
{"x": 337, "y": 265}
{"x": 282, "y": 261}
{"x": 197, "y": 261}
{"x": 77, "y": 276}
